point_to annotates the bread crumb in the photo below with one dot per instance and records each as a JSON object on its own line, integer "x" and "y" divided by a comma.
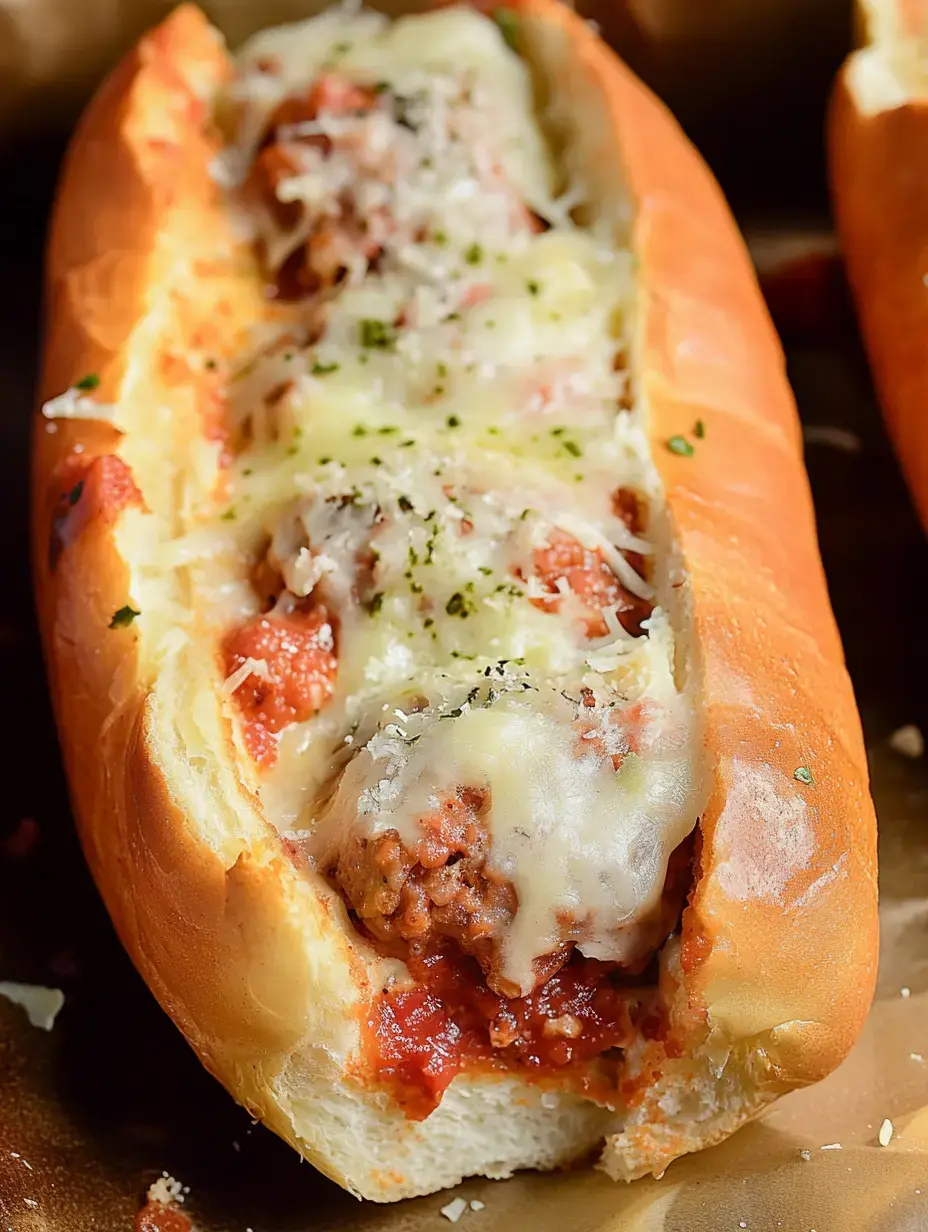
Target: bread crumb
{"x": 42, "y": 1005}
{"x": 454, "y": 1210}
{"x": 831, "y": 1146}
{"x": 908, "y": 740}
{"x": 805, "y": 1154}
{"x": 167, "y": 1190}
{"x": 905, "y": 993}
{"x": 886, "y": 1132}
{"x": 477, "y": 1205}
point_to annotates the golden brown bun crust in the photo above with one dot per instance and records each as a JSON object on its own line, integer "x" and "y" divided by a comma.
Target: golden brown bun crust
{"x": 879, "y": 175}
{"x": 788, "y": 871}
{"x": 780, "y": 938}
{"x": 256, "y": 962}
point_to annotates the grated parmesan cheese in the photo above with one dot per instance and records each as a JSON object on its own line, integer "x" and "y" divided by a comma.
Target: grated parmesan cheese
{"x": 461, "y": 410}
{"x": 251, "y": 667}
{"x": 73, "y": 404}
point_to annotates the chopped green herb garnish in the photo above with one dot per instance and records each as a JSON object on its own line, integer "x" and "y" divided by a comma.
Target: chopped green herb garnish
{"x": 699, "y": 429}
{"x": 319, "y": 369}
{"x": 485, "y": 570}
{"x": 406, "y": 444}
{"x": 87, "y": 383}
{"x": 75, "y": 494}
{"x": 681, "y": 446}
{"x": 474, "y": 254}
{"x": 533, "y": 287}
{"x": 124, "y": 617}
{"x": 377, "y": 334}
{"x": 405, "y": 504}
{"x": 459, "y": 605}
{"x": 389, "y": 430}
{"x": 210, "y": 365}
{"x": 558, "y": 431}
{"x": 229, "y": 515}
{"x": 439, "y": 237}
{"x": 324, "y": 461}
{"x": 359, "y": 430}
{"x": 375, "y": 603}
{"x": 375, "y": 461}
{"x": 572, "y": 448}
{"x": 248, "y": 471}
{"x": 442, "y": 369}
{"x": 508, "y": 26}
{"x": 804, "y": 775}
{"x": 453, "y": 422}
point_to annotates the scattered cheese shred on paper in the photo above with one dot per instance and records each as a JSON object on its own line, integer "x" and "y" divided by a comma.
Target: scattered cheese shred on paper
{"x": 454, "y": 1210}
{"x": 908, "y": 741}
{"x": 42, "y": 1005}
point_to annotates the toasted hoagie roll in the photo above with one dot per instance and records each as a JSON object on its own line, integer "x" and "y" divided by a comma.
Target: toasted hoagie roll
{"x": 455, "y": 718}
{"x": 878, "y": 150}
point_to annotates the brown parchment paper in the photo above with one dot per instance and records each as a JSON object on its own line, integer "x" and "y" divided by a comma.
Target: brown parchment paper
{"x": 93, "y": 1111}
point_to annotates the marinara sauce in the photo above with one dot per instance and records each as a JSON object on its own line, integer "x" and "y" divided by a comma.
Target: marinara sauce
{"x": 420, "y": 1038}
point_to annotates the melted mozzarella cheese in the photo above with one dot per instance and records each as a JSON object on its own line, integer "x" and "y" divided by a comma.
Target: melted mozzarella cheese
{"x": 457, "y": 407}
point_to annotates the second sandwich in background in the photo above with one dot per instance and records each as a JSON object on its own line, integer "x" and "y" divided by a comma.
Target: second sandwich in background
{"x": 878, "y": 149}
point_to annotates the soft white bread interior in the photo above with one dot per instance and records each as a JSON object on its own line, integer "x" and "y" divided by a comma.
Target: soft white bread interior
{"x": 256, "y": 960}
